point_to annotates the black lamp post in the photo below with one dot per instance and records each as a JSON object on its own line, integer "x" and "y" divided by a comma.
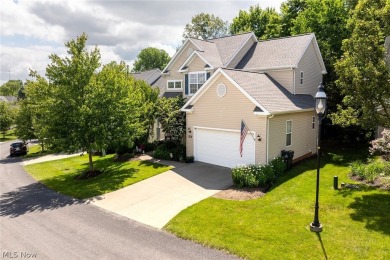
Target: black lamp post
{"x": 320, "y": 104}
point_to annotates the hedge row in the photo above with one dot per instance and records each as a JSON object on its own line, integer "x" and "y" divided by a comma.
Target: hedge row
{"x": 258, "y": 175}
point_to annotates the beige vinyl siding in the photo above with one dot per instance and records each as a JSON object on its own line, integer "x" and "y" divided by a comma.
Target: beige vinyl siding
{"x": 310, "y": 66}
{"x": 197, "y": 64}
{"x": 284, "y": 78}
{"x": 226, "y": 112}
{"x": 240, "y": 54}
{"x": 173, "y": 72}
{"x": 303, "y": 139}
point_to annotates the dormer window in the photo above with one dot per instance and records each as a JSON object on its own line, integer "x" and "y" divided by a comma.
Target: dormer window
{"x": 301, "y": 78}
{"x": 174, "y": 84}
{"x": 196, "y": 80}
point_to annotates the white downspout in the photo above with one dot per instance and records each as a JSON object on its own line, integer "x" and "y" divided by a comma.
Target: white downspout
{"x": 267, "y": 142}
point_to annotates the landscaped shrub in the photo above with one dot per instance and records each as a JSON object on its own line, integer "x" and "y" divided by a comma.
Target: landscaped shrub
{"x": 245, "y": 175}
{"x": 382, "y": 145}
{"x": 162, "y": 152}
{"x": 170, "y": 151}
{"x": 255, "y": 175}
{"x": 278, "y": 165}
{"x": 371, "y": 170}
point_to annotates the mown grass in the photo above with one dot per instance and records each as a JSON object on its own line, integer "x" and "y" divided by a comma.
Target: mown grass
{"x": 356, "y": 222}
{"x": 9, "y": 135}
{"x": 35, "y": 151}
{"x": 59, "y": 175}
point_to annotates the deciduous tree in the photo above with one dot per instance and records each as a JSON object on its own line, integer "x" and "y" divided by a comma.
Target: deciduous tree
{"x": 151, "y": 58}
{"x": 206, "y": 26}
{"x": 173, "y": 121}
{"x": 264, "y": 24}
{"x": 10, "y": 88}
{"x": 7, "y": 113}
{"x": 364, "y": 78}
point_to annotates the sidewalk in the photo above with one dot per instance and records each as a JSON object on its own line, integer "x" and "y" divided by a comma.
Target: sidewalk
{"x": 49, "y": 157}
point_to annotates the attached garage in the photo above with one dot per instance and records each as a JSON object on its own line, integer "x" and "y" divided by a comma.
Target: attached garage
{"x": 221, "y": 147}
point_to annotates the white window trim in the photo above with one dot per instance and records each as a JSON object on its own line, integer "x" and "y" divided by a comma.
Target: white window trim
{"x": 174, "y": 81}
{"x": 288, "y": 133}
{"x": 301, "y": 77}
{"x": 189, "y": 84}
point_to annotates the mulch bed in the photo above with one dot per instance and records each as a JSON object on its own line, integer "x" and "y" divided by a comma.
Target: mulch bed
{"x": 88, "y": 175}
{"x": 234, "y": 193}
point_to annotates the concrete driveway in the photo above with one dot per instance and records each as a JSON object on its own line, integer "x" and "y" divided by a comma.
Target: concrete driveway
{"x": 157, "y": 200}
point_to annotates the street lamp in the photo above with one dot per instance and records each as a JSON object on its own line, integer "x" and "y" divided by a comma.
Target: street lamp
{"x": 320, "y": 99}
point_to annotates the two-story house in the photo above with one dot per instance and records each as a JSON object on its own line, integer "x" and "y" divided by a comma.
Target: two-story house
{"x": 269, "y": 85}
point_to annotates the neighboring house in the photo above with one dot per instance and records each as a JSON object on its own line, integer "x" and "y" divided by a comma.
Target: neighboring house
{"x": 268, "y": 84}
{"x": 9, "y": 99}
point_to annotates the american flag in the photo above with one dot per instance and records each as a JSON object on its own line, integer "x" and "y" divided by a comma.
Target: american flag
{"x": 244, "y": 132}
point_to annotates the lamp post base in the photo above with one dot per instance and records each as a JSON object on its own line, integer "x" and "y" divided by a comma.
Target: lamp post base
{"x": 316, "y": 229}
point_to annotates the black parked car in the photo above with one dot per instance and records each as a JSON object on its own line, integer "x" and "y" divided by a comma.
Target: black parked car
{"x": 18, "y": 148}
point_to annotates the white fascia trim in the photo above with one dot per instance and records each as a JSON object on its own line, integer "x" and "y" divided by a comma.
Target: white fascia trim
{"x": 261, "y": 114}
{"x": 252, "y": 35}
{"x": 221, "y": 129}
{"x": 191, "y": 58}
{"x": 189, "y": 111}
{"x": 194, "y": 96}
{"x": 179, "y": 52}
{"x": 293, "y": 111}
{"x": 174, "y": 58}
{"x": 212, "y": 79}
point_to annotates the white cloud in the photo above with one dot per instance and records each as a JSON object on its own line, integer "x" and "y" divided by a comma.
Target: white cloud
{"x": 31, "y": 30}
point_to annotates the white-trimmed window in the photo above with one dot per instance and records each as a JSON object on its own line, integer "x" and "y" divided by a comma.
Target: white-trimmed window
{"x": 313, "y": 125}
{"x": 301, "y": 78}
{"x": 174, "y": 84}
{"x": 288, "y": 132}
{"x": 195, "y": 81}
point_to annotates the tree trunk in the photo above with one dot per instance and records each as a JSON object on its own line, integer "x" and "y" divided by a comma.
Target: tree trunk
{"x": 90, "y": 160}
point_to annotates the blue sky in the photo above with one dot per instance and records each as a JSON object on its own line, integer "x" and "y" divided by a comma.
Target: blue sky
{"x": 31, "y": 30}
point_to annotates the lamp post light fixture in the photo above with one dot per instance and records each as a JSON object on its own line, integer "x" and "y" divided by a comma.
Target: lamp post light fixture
{"x": 320, "y": 103}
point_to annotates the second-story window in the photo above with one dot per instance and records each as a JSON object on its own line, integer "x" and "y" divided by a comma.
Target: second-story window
{"x": 174, "y": 84}
{"x": 196, "y": 80}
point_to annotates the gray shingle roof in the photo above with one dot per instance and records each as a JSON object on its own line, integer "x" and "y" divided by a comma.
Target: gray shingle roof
{"x": 269, "y": 93}
{"x": 220, "y": 50}
{"x": 172, "y": 94}
{"x": 275, "y": 53}
{"x": 149, "y": 76}
{"x": 9, "y": 99}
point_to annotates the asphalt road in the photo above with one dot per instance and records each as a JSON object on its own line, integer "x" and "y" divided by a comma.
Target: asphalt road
{"x": 38, "y": 223}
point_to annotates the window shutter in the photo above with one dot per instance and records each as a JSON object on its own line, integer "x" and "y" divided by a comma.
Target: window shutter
{"x": 208, "y": 75}
{"x": 186, "y": 84}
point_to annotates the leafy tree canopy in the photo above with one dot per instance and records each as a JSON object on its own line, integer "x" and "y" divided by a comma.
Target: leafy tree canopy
{"x": 151, "y": 58}
{"x": 173, "y": 121}
{"x": 364, "y": 78}
{"x": 86, "y": 110}
{"x": 7, "y": 114}
{"x": 206, "y": 26}
{"x": 11, "y": 88}
{"x": 263, "y": 23}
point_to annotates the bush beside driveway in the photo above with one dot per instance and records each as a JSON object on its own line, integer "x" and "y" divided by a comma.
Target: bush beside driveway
{"x": 276, "y": 226}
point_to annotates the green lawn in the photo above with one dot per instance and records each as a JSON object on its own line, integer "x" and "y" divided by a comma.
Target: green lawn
{"x": 59, "y": 175}
{"x": 34, "y": 151}
{"x": 9, "y": 135}
{"x": 356, "y": 223}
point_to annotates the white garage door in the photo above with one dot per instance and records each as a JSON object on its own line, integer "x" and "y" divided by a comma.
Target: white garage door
{"x": 222, "y": 147}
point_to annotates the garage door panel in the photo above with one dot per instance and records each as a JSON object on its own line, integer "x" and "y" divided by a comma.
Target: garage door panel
{"x": 221, "y": 147}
